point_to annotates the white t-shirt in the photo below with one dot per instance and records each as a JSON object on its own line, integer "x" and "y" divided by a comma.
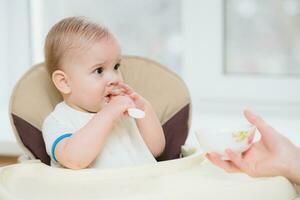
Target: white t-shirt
{"x": 124, "y": 145}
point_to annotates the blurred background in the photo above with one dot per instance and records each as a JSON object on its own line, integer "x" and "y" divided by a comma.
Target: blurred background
{"x": 232, "y": 54}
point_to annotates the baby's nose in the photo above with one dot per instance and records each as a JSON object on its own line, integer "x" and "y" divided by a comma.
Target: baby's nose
{"x": 112, "y": 80}
{"x": 112, "y": 83}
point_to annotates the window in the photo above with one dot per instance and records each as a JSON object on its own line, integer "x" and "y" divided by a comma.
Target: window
{"x": 211, "y": 88}
{"x": 220, "y": 97}
{"x": 262, "y": 37}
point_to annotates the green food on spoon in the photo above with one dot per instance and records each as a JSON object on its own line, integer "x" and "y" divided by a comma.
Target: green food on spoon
{"x": 240, "y": 136}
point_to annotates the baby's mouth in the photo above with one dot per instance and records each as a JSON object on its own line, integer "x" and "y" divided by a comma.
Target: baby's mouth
{"x": 111, "y": 93}
{"x": 107, "y": 98}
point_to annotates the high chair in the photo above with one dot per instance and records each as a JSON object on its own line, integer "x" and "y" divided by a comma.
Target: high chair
{"x": 175, "y": 177}
{"x": 35, "y": 96}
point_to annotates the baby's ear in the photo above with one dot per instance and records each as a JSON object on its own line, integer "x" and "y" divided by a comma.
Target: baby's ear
{"x": 60, "y": 80}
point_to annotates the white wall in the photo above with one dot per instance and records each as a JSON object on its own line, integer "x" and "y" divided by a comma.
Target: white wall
{"x": 15, "y": 59}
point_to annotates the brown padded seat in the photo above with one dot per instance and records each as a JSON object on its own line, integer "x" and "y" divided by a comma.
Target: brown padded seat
{"x": 35, "y": 96}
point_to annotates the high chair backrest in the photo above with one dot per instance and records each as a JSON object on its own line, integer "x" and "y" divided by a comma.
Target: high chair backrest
{"x": 35, "y": 96}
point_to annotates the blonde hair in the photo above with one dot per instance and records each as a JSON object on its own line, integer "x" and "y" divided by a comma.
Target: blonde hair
{"x": 67, "y": 34}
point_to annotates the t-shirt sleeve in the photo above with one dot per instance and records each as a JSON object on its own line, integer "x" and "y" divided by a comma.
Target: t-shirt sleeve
{"x": 54, "y": 131}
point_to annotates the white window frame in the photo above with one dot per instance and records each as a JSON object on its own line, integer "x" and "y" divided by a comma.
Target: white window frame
{"x": 211, "y": 89}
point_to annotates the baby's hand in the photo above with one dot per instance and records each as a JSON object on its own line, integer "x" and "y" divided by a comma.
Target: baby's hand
{"x": 139, "y": 101}
{"x": 118, "y": 106}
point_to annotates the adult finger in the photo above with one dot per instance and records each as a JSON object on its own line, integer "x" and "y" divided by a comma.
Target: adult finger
{"x": 265, "y": 130}
{"x": 236, "y": 159}
{"x": 226, "y": 165}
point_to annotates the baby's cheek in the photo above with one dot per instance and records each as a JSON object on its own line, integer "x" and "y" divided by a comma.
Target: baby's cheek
{"x": 120, "y": 77}
{"x": 100, "y": 105}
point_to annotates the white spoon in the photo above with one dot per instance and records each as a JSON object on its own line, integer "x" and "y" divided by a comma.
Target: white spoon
{"x": 136, "y": 113}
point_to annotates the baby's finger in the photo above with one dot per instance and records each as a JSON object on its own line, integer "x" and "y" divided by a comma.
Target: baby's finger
{"x": 127, "y": 88}
{"x": 134, "y": 96}
{"x": 117, "y": 91}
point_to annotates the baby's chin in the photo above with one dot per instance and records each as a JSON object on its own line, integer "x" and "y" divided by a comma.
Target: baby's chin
{"x": 96, "y": 108}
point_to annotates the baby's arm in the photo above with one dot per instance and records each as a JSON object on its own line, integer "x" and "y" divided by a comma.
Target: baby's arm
{"x": 151, "y": 131}
{"x": 149, "y": 126}
{"x": 80, "y": 150}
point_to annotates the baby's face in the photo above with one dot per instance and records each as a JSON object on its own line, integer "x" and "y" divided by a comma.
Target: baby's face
{"x": 92, "y": 74}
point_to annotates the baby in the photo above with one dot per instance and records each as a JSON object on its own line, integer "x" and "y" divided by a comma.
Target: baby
{"x": 91, "y": 126}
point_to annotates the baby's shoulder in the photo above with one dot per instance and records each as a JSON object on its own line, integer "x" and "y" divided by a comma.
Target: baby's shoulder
{"x": 57, "y": 115}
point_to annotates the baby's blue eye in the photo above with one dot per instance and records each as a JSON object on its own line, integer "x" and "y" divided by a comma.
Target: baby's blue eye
{"x": 99, "y": 70}
{"x": 116, "y": 67}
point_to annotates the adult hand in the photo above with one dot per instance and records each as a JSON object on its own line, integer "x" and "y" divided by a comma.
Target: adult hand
{"x": 272, "y": 155}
